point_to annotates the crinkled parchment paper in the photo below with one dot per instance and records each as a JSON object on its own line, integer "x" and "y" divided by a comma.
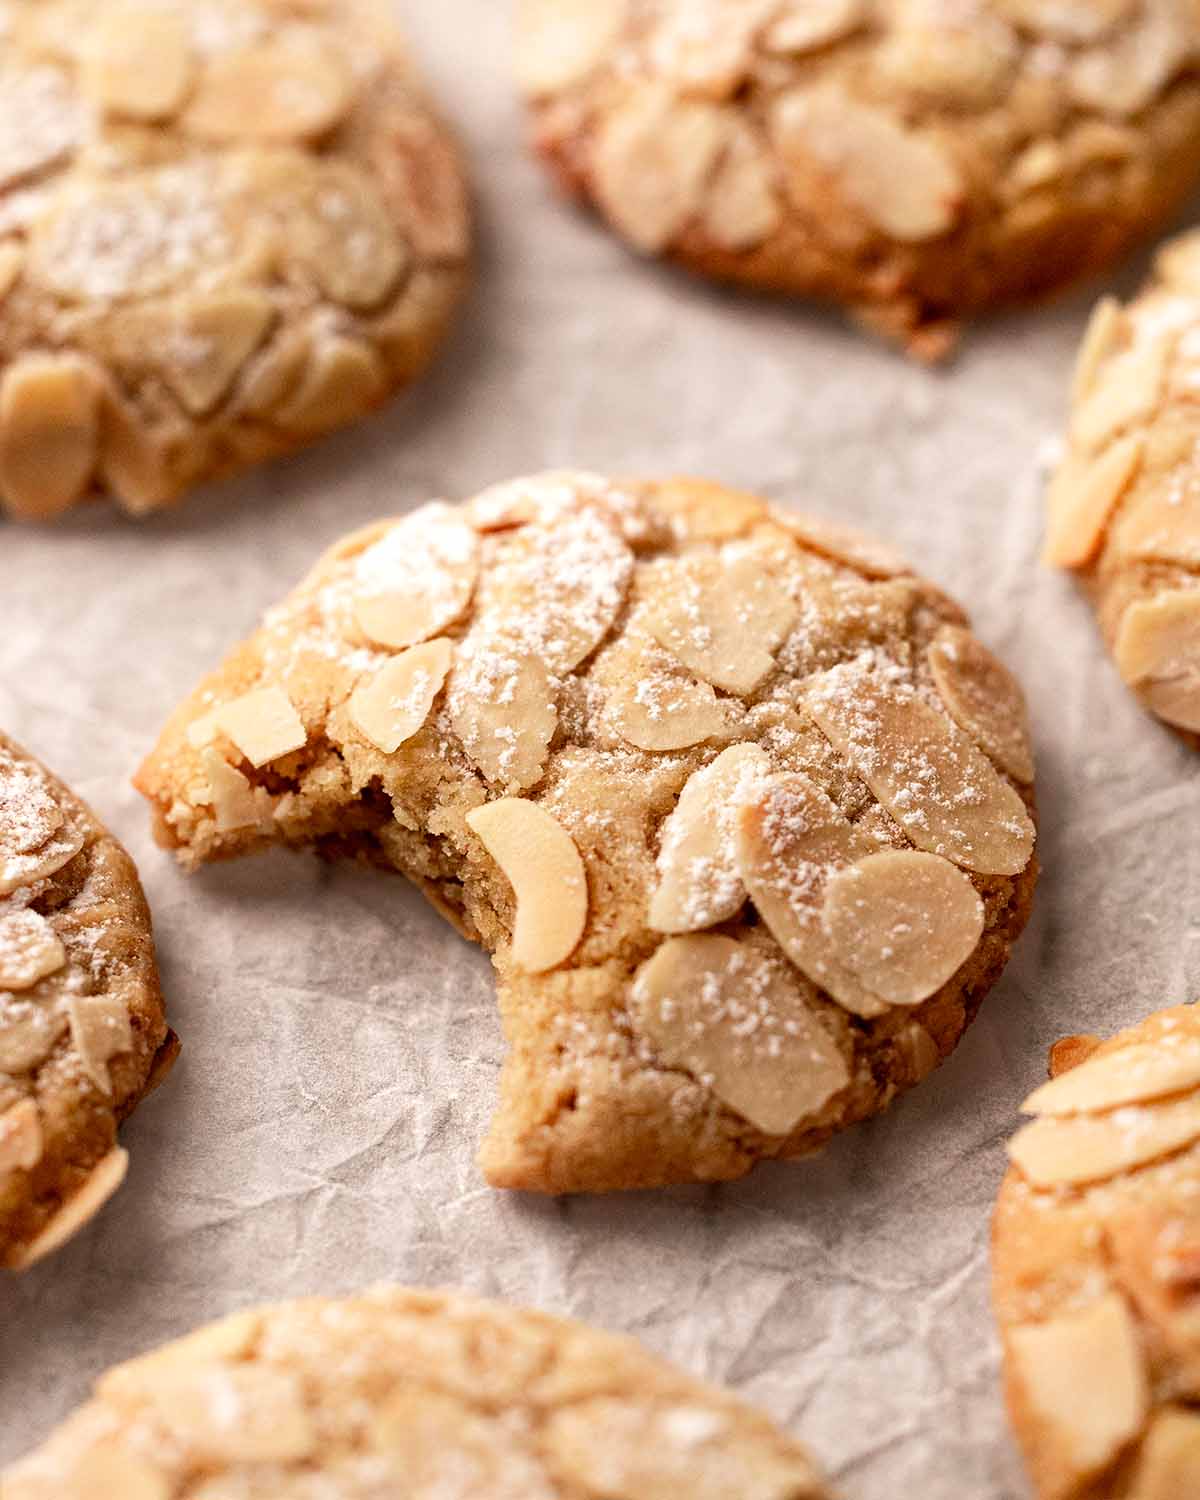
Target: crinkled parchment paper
{"x": 340, "y": 1044}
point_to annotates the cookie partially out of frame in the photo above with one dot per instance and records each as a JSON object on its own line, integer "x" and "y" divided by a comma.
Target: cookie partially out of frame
{"x": 737, "y": 802}
{"x": 422, "y": 1394}
{"x": 915, "y": 161}
{"x": 1124, "y": 507}
{"x": 1096, "y": 1249}
{"x": 82, "y": 1033}
{"x": 225, "y": 228}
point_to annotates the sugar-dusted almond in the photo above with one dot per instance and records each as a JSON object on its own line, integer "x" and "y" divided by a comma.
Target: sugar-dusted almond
{"x": 1126, "y": 390}
{"x": 21, "y": 1140}
{"x": 30, "y": 949}
{"x": 343, "y": 380}
{"x": 539, "y": 859}
{"x": 653, "y": 703}
{"x": 559, "y": 42}
{"x": 290, "y": 86}
{"x": 417, "y": 579}
{"x": 1059, "y": 1151}
{"x": 138, "y": 61}
{"x": 105, "y": 1178}
{"x": 100, "y": 1029}
{"x": 49, "y": 427}
{"x": 943, "y": 792}
{"x": 392, "y": 705}
{"x": 273, "y": 1425}
{"x": 1130, "y": 1075}
{"x": 37, "y": 836}
{"x": 262, "y": 724}
{"x": 803, "y": 26}
{"x": 228, "y": 792}
{"x": 1168, "y": 1463}
{"x": 903, "y": 921}
{"x": 845, "y": 544}
{"x": 338, "y": 227}
{"x": 29, "y": 1032}
{"x": 698, "y": 880}
{"x": 1083, "y": 496}
{"x": 1157, "y": 652}
{"x": 743, "y": 1023}
{"x": 983, "y": 698}
{"x": 503, "y": 708}
{"x": 200, "y": 343}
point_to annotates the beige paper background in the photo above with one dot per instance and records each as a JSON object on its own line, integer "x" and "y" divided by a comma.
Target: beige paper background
{"x": 340, "y": 1045}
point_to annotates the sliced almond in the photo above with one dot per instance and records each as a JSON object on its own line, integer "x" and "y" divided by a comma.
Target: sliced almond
{"x": 49, "y": 425}
{"x": 1083, "y": 497}
{"x": 952, "y": 66}
{"x": 100, "y": 1029}
{"x": 983, "y": 698}
{"x": 28, "y": 1034}
{"x": 42, "y": 124}
{"x": 106, "y": 1177}
{"x": 417, "y": 579}
{"x": 37, "y": 838}
{"x": 229, "y": 792}
{"x": 290, "y": 86}
{"x": 1083, "y": 1381}
{"x": 1127, "y": 390}
{"x": 651, "y": 161}
{"x": 223, "y": 1414}
{"x": 805, "y": 25}
{"x": 655, "y": 705}
{"x": 791, "y": 840}
{"x": 743, "y": 1023}
{"x": 1054, "y": 1152}
{"x": 390, "y": 707}
{"x": 722, "y": 616}
{"x": 20, "y": 1137}
{"x": 539, "y": 859}
{"x": 559, "y": 42}
{"x": 132, "y": 463}
{"x": 1168, "y": 1465}
{"x": 138, "y": 62}
{"x": 200, "y": 343}
{"x": 1069, "y": 1052}
{"x": 30, "y": 949}
{"x": 339, "y": 227}
{"x": 262, "y": 724}
{"x": 1126, "y": 73}
{"x": 1100, "y": 340}
{"x": 1130, "y": 1075}
{"x": 1157, "y": 652}
{"x": 343, "y": 381}
{"x": 942, "y": 791}
{"x": 707, "y": 49}
{"x": 844, "y": 544}
{"x": 1161, "y": 524}
{"x": 904, "y": 922}
{"x": 903, "y": 181}
{"x": 742, "y": 207}
{"x": 698, "y": 880}
{"x": 503, "y": 709}
{"x": 1068, "y": 20}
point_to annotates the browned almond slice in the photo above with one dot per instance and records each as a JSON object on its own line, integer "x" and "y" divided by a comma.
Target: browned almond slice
{"x": 791, "y": 840}
{"x": 743, "y": 1023}
{"x": 1126, "y": 390}
{"x": 263, "y": 725}
{"x": 30, "y": 949}
{"x": 1054, "y": 1152}
{"x": 344, "y": 379}
{"x": 21, "y": 1141}
{"x": 1083, "y": 497}
{"x": 106, "y": 1177}
{"x": 698, "y": 880}
{"x": 1130, "y": 1075}
{"x": 1168, "y": 1466}
{"x": 203, "y": 341}
{"x": 539, "y": 859}
{"x": 502, "y": 706}
{"x": 653, "y": 703}
{"x": 559, "y": 42}
{"x": 418, "y": 579}
{"x": 341, "y": 230}
{"x": 100, "y": 1029}
{"x": 391, "y": 706}
{"x": 229, "y": 792}
{"x": 36, "y": 836}
{"x": 983, "y": 698}
{"x": 138, "y": 62}
{"x": 288, "y": 87}
{"x": 723, "y": 617}
{"x": 903, "y": 921}
{"x": 845, "y": 544}
{"x": 1071, "y": 1051}
{"x": 49, "y": 427}
{"x": 1083, "y": 1379}
{"x": 1157, "y": 651}
{"x": 943, "y": 792}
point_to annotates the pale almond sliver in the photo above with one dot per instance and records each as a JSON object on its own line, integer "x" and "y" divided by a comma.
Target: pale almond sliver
{"x": 393, "y": 704}
{"x": 1130, "y": 1075}
{"x": 1076, "y": 1149}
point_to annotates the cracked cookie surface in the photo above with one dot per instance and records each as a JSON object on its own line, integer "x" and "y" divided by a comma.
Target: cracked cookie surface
{"x": 740, "y": 807}
{"x": 1124, "y": 506}
{"x": 82, "y": 1033}
{"x": 226, "y": 227}
{"x": 1096, "y": 1264}
{"x": 425, "y": 1394}
{"x": 916, "y": 161}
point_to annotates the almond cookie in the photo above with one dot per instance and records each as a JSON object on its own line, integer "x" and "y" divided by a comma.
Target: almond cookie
{"x": 224, "y": 229}
{"x": 913, "y": 160}
{"x": 422, "y": 1394}
{"x": 1096, "y": 1250}
{"x": 82, "y": 1034}
{"x": 1124, "y": 507}
{"x": 738, "y": 804}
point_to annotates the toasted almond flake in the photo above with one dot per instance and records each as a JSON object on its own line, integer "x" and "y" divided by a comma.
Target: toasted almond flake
{"x": 1126, "y": 390}
{"x": 904, "y": 181}
{"x": 744, "y": 1023}
{"x": 559, "y": 42}
{"x": 417, "y": 579}
{"x": 290, "y": 86}
{"x": 391, "y": 706}
{"x": 1157, "y": 651}
{"x": 201, "y": 342}
{"x": 742, "y": 207}
{"x": 100, "y": 1029}
{"x": 262, "y": 724}
{"x": 1054, "y": 1152}
{"x": 1069, "y": 1052}
{"x": 503, "y": 709}
{"x": 138, "y": 62}
{"x": 539, "y": 859}
{"x": 220, "y": 1414}
{"x": 49, "y": 424}
{"x": 42, "y": 124}
{"x": 106, "y": 1177}
{"x": 37, "y": 837}
{"x": 1100, "y": 340}
{"x": 706, "y": 48}
{"x": 790, "y": 840}
{"x": 30, "y": 949}
{"x": 230, "y": 794}
{"x": 957, "y": 66}
{"x": 1083, "y": 497}
{"x": 1082, "y": 1377}
{"x": 1168, "y": 1465}
{"x": 845, "y": 544}
{"x": 983, "y": 698}
{"x": 1068, "y": 20}
{"x": 28, "y": 1035}
{"x": 698, "y": 881}
{"x": 655, "y": 705}
{"x": 131, "y": 463}
{"x": 1130, "y": 1075}
{"x": 905, "y": 922}
{"x": 338, "y": 225}
{"x": 344, "y": 380}
{"x": 805, "y": 25}
{"x": 21, "y": 1141}
{"x": 1125, "y": 74}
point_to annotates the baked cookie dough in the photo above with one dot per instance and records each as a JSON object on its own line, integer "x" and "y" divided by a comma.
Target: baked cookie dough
{"x": 1096, "y": 1251}
{"x": 422, "y": 1394}
{"x": 82, "y": 1034}
{"x": 224, "y": 229}
{"x": 914, "y": 160}
{"x": 1124, "y": 506}
{"x": 739, "y": 805}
